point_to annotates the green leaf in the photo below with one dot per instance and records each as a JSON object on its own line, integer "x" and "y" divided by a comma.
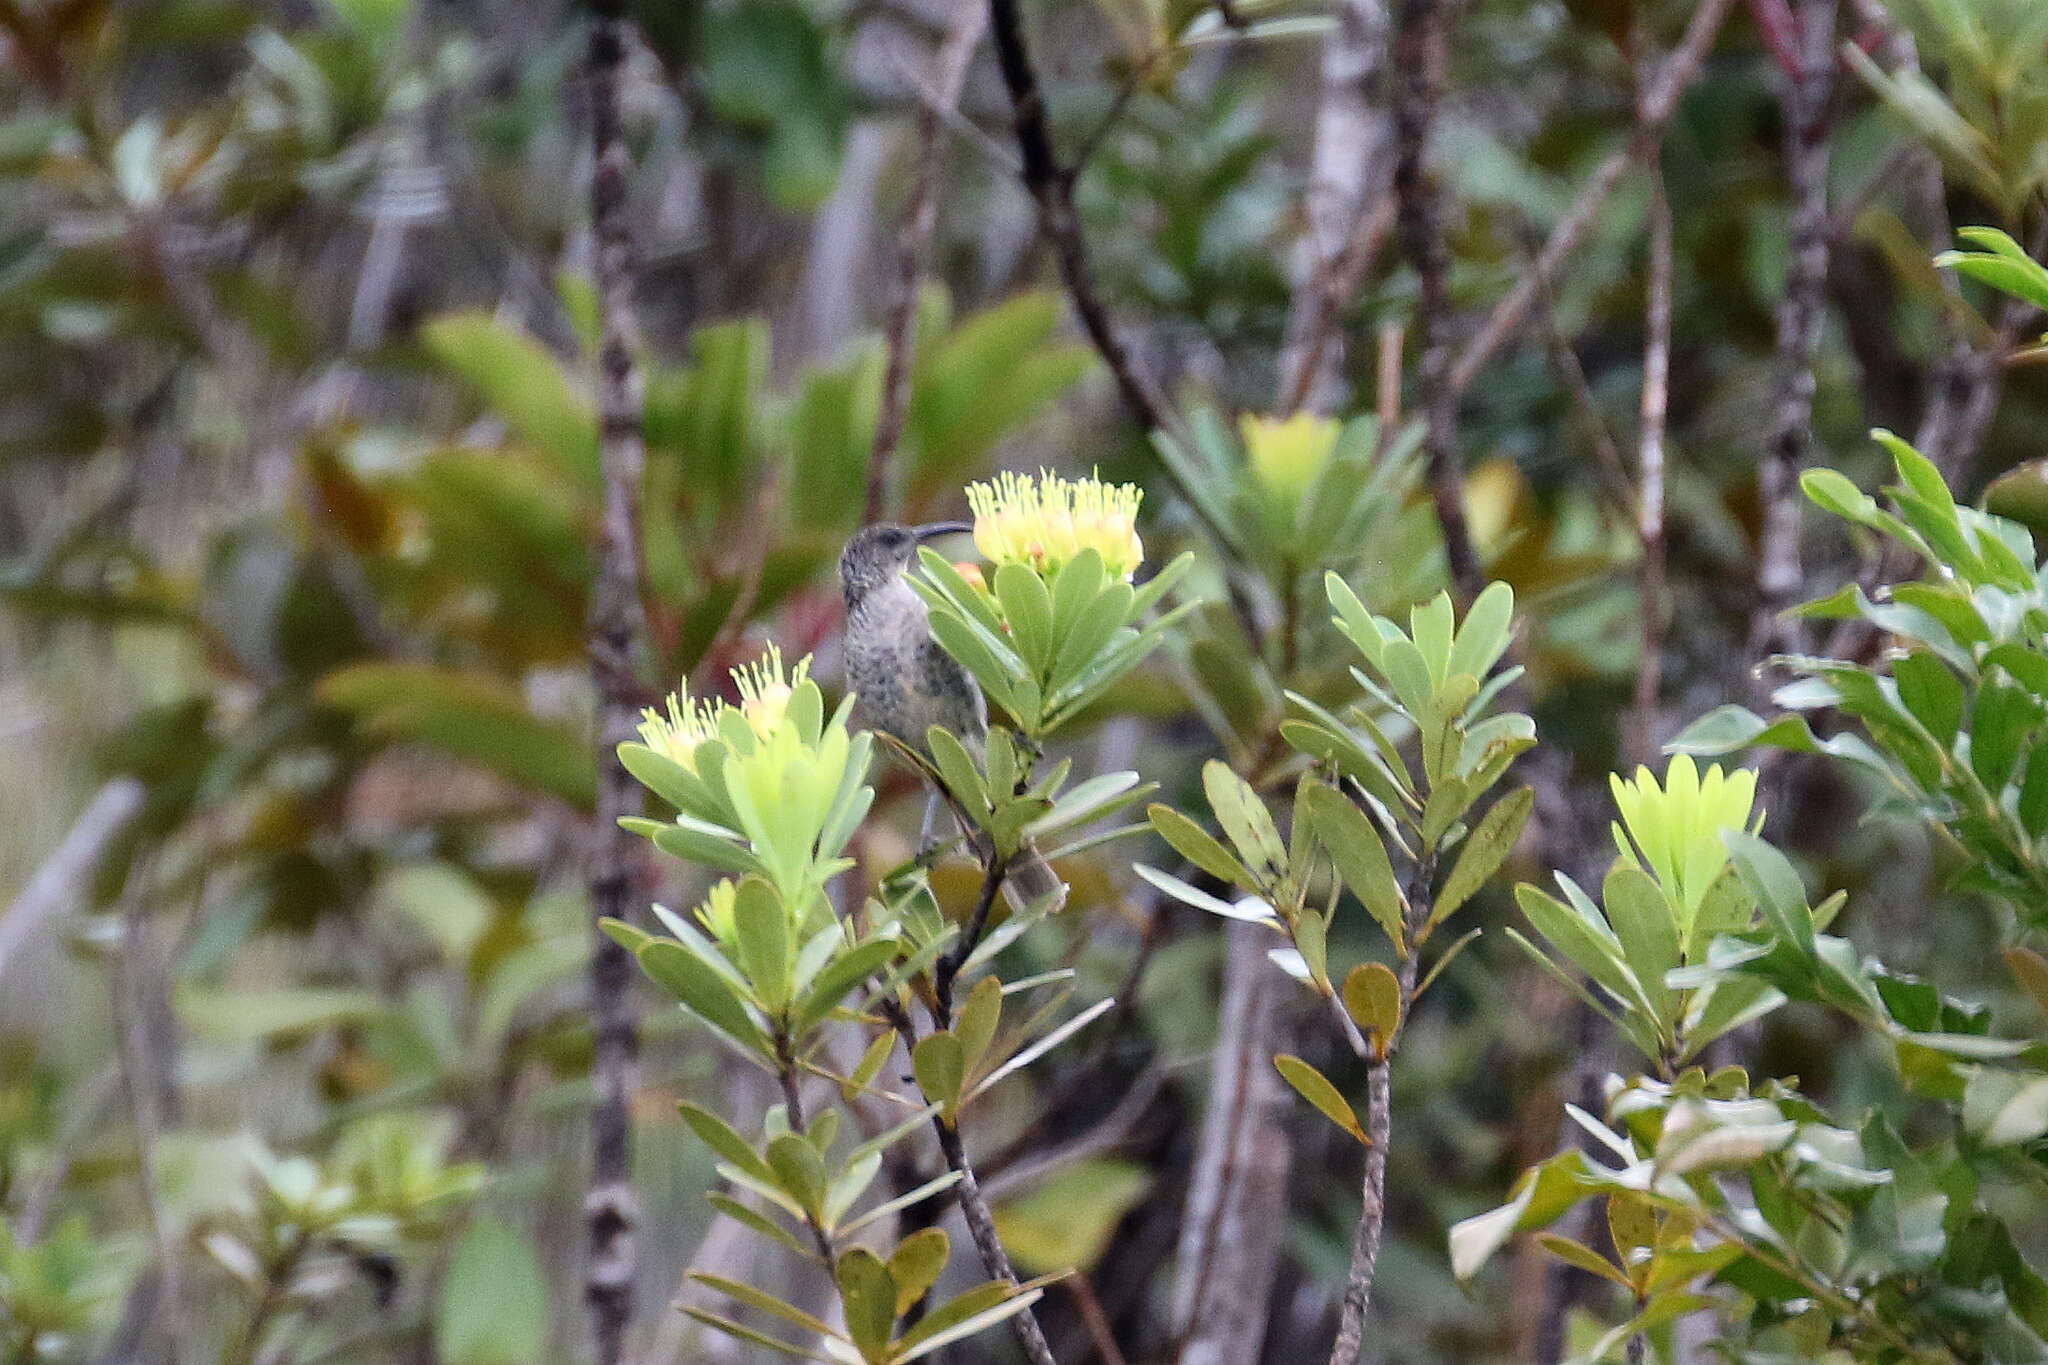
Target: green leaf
{"x": 867, "y": 1292}
{"x": 742, "y": 1292}
{"x": 975, "y": 1023}
{"x": 916, "y": 1264}
{"x": 1648, "y": 929}
{"x": 1775, "y": 883}
{"x": 476, "y": 718}
{"x": 1069, "y": 1219}
{"x": 1372, "y": 996}
{"x": 494, "y": 1300}
{"x": 1195, "y": 844}
{"x": 1314, "y": 1087}
{"x": 1028, "y": 607}
{"x": 848, "y": 968}
{"x": 871, "y": 1063}
{"x": 940, "y": 1065}
{"x": 725, "y": 1140}
{"x": 1486, "y": 632}
{"x": 235, "y": 1016}
{"x": 1582, "y": 1256}
{"x": 799, "y": 1172}
{"x": 741, "y": 1332}
{"x": 1485, "y": 849}
{"x": 1246, "y": 820}
{"x": 702, "y": 991}
{"x": 766, "y": 946}
{"x": 1354, "y": 846}
{"x": 522, "y": 384}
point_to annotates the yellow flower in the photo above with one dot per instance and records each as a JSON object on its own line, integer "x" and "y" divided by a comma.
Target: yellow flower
{"x": 765, "y": 691}
{"x": 676, "y": 735}
{"x": 1045, "y": 522}
{"x": 1286, "y": 454}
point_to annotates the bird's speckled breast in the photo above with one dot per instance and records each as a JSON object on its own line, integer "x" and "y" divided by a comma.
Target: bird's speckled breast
{"x": 905, "y": 683}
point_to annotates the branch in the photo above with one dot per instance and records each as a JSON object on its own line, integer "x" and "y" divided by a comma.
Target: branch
{"x": 1780, "y": 577}
{"x": 1660, "y": 101}
{"x": 1420, "y": 42}
{"x": 1654, "y": 410}
{"x": 913, "y": 240}
{"x": 1379, "y": 1119}
{"x": 1349, "y": 165}
{"x": 60, "y": 880}
{"x": 616, "y": 627}
{"x": 1230, "y": 1230}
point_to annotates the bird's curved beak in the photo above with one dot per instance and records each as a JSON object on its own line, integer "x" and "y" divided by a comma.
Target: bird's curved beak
{"x": 933, "y": 530}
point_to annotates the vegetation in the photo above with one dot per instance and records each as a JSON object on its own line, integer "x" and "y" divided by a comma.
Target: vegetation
{"x": 1416, "y": 450}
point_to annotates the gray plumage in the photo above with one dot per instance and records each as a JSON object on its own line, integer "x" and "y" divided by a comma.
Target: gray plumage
{"x": 904, "y": 683}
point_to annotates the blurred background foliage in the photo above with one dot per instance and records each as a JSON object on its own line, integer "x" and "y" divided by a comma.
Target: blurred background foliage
{"x": 298, "y": 500}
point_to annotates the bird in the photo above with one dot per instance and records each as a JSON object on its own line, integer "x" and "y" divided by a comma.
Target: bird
{"x": 904, "y": 682}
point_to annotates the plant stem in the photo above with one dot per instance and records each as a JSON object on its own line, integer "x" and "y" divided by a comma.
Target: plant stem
{"x": 981, "y": 1226}
{"x": 1379, "y": 1119}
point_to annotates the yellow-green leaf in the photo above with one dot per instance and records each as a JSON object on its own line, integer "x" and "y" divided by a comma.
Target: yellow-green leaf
{"x": 1315, "y": 1087}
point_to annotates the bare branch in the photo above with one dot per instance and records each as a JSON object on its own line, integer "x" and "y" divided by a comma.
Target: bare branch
{"x": 1350, "y": 165}
{"x": 913, "y": 240}
{"x": 60, "y": 880}
{"x": 1655, "y": 409}
{"x": 616, "y": 631}
{"x": 1660, "y": 100}
{"x": 1789, "y": 448}
{"x": 1421, "y": 41}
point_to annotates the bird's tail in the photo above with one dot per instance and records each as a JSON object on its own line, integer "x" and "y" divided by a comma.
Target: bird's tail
{"x": 1031, "y": 881}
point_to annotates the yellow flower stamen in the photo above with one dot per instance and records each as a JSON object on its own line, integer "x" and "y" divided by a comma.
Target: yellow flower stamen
{"x": 1045, "y": 522}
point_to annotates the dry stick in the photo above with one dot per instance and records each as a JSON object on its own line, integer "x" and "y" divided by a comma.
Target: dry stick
{"x": 913, "y": 240}
{"x": 615, "y": 628}
{"x": 1348, "y": 163}
{"x": 1654, "y": 410}
{"x": 1780, "y": 577}
{"x": 1660, "y": 101}
{"x": 1421, "y": 41}
{"x": 61, "y": 878}
{"x": 1379, "y": 1127}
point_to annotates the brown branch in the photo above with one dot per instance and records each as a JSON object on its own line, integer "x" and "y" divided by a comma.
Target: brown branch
{"x": 981, "y": 1227}
{"x": 1780, "y": 576}
{"x": 1379, "y": 1121}
{"x": 1420, "y": 49}
{"x": 1052, "y": 186}
{"x": 1349, "y": 168}
{"x": 616, "y": 628}
{"x": 913, "y": 240}
{"x": 1660, "y": 101}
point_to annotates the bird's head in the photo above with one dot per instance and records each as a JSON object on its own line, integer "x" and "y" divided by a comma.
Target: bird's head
{"x": 877, "y": 555}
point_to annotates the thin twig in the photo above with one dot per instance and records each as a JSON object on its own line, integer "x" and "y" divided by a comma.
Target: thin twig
{"x": 1094, "y": 1319}
{"x": 616, "y": 632}
{"x": 1655, "y": 410}
{"x": 1420, "y": 49}
{"x": 146, "y": 1070}
{"x": 1780, "y": 577}
{"x": 1349, "y": 167}
{"x": 1379, "y": 1121}
{"x": 60, "y": 880}
{"x": 1660, "y": 101}
{"x": 913, "y": 241}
